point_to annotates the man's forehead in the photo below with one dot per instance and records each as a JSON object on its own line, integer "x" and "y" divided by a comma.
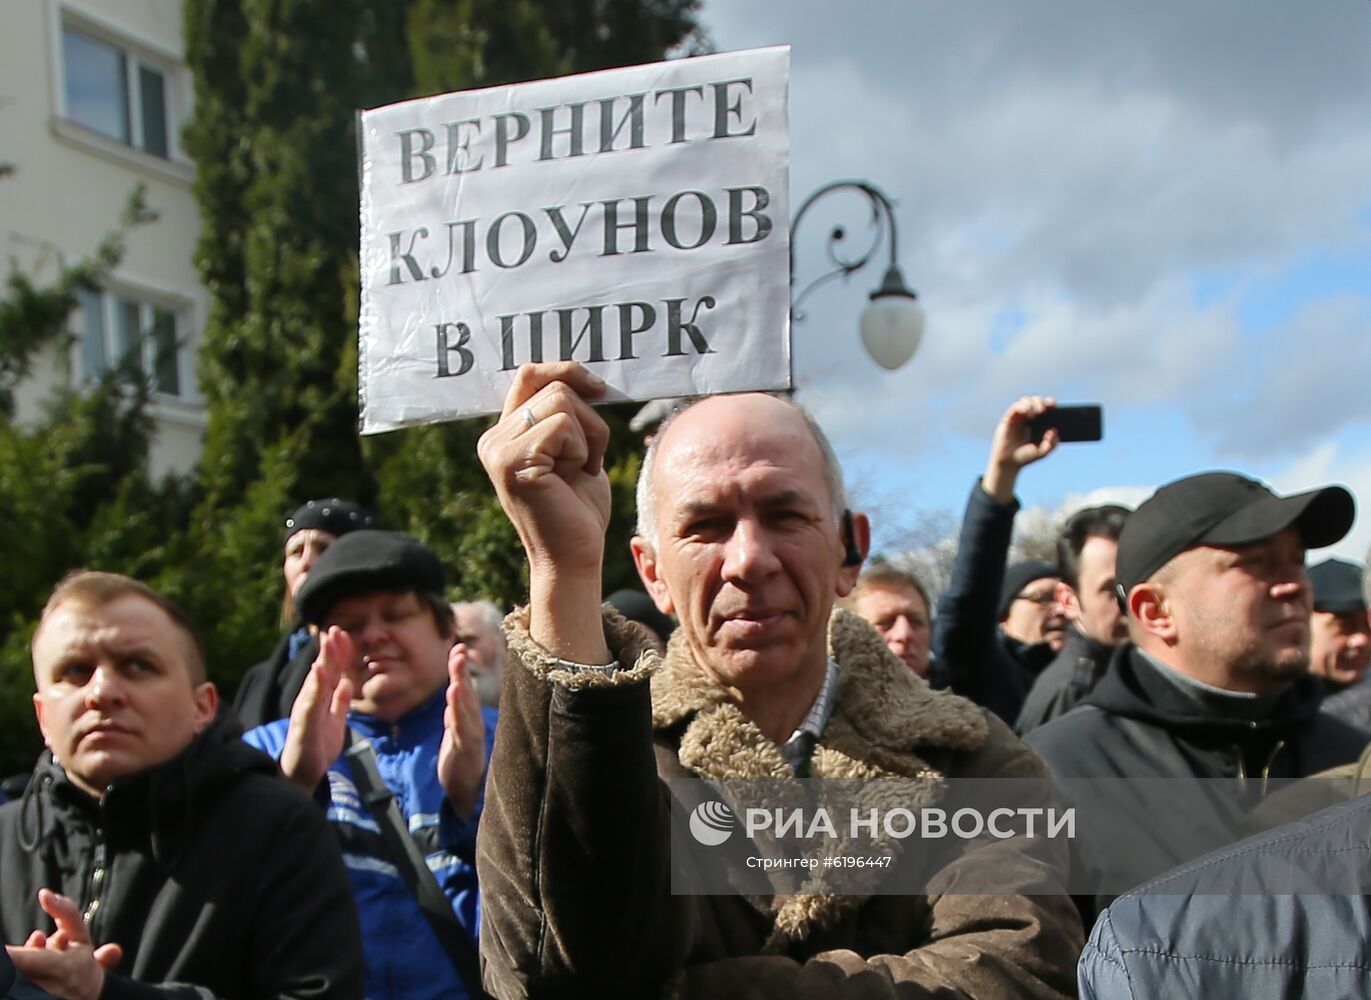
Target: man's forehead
{"x": 127, "y": 622}
{"x": 889, "y": 592}
{"x": 728, "y": 425}
{"x": 308, "y": 536}
{"x": 126, "y": 613}
{"x": 470, "y": 619}
{"x": 1098, "y": 555}
{"x": 1100, "y": 546}
{"x": 748, "y": 442}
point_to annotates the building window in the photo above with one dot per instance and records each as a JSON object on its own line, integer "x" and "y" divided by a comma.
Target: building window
{"x": 115, "y": 325}
{"x": 110, "y": 90}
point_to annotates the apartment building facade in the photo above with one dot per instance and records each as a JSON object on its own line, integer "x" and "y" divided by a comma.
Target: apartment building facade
{"x": 93, "y": 96}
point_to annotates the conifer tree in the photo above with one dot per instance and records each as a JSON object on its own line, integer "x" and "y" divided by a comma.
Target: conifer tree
{"x": 74, "y": 487}
{"x": 277, "y": 87}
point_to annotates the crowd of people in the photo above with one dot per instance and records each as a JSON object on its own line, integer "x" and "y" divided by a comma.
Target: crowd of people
{"x": 413, "y": 797}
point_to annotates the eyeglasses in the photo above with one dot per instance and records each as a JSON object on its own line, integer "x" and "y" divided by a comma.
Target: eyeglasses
{"x": 1042, "y": 600}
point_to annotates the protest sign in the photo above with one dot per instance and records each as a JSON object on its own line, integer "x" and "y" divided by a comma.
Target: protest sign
{"x": 635, "y": 220}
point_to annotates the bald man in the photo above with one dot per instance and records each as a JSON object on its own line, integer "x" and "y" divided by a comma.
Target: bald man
{"x": 744, "y": 536}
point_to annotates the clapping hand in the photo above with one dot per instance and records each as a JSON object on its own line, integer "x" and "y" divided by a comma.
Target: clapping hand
{"x": 64, "y": 962}
{"x": 318, "y": 718}
{"x": 462, "y": 755}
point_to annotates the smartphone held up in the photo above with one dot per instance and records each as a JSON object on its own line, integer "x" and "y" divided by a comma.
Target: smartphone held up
{"x": 1074, "y": 422}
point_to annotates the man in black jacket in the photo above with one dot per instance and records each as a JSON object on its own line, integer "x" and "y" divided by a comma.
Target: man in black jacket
{"x": 154, "y": 854}
{"x": 998, "y": 627}
{"x": 268, "y": 690}
{"x": 1340, "y": 651}
{"x": 1086, "y": 551}
{"x": 1214, "y": 684}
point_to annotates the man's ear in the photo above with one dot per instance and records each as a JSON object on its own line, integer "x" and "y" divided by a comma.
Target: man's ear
{"x": 1066, "y": 598}
{"x": 1149, "y": 607}
{"x": 38, "y": 711}
{"x": 856, "y": 543}
{"x": 206, "y": 705}
{"x": 645, "y": 560}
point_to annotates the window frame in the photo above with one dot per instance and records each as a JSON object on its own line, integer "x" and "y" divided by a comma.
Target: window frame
{"x": 113, "y": 296}
{"x": 138, "y": 54}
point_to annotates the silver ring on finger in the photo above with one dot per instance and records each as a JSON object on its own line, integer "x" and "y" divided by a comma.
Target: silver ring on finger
{"x": 529, "y": 418}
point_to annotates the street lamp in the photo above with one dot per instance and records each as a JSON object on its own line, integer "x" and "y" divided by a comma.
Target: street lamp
{"x": 892, "y": 324}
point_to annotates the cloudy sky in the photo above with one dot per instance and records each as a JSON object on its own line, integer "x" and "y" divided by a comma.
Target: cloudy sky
{"x": 1161, "y": 207}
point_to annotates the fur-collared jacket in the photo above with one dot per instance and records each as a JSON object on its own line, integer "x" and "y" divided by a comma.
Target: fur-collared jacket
{"x": 575, "y": 864}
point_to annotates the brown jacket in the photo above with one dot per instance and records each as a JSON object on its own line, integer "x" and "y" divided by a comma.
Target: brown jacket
{"x": 574, "y": 858}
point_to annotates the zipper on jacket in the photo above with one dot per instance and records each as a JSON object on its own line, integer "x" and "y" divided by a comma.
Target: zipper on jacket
{"x": 98, "y": 877}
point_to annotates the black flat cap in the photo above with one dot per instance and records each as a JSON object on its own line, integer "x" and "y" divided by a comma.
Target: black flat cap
{"x": 1338, "y": 586}
{"x": 337, "y": 517}
{"x": 367, "y": 562}
{"x": 1019, "y": 575}
{"x": 1223, "y": 508}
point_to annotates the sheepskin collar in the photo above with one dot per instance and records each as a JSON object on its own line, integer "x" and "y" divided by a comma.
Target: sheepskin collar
{"x": 883, "y": 716}
{"x": 882, "y": 708}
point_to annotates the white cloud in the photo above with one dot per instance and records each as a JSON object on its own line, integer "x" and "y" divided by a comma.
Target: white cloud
{"x": 1109, "y": 147}
{"x": 1152, "y": 351}
{"x": 1095, "y": 201}
{"x": 1298, "y": 383}
{"x": 1328, "y": 464}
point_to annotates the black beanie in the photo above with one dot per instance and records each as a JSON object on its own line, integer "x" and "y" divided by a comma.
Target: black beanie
{"x": 330, "y": 514}
{"x": 1019, "y": 575}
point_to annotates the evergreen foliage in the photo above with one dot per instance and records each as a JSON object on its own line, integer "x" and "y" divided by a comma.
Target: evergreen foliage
{"x": 73, "y": 484}
{"x": 277, "y": 84}
{"x": 33, "y": 316}
{"x": 273, "y": 135}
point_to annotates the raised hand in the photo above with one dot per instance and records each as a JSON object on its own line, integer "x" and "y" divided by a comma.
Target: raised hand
{"x": 1011, "y": 448}
{"x": 64, "y": 963}
{"x": 318, "y": 719}
{"x": 462, "y": 754}
{"x": 545, "y": 457}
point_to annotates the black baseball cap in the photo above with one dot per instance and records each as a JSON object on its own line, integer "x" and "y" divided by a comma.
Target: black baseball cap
{"x": 1337, "y": 586}
{"x": 365, "y": 562}
{"x": 1223, "y": 508}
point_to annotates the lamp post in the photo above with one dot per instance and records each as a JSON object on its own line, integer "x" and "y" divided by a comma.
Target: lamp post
{"x": 892, "y": 324}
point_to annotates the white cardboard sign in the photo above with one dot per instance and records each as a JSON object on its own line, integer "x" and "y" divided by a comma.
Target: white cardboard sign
{"x": 635, "y": 220}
